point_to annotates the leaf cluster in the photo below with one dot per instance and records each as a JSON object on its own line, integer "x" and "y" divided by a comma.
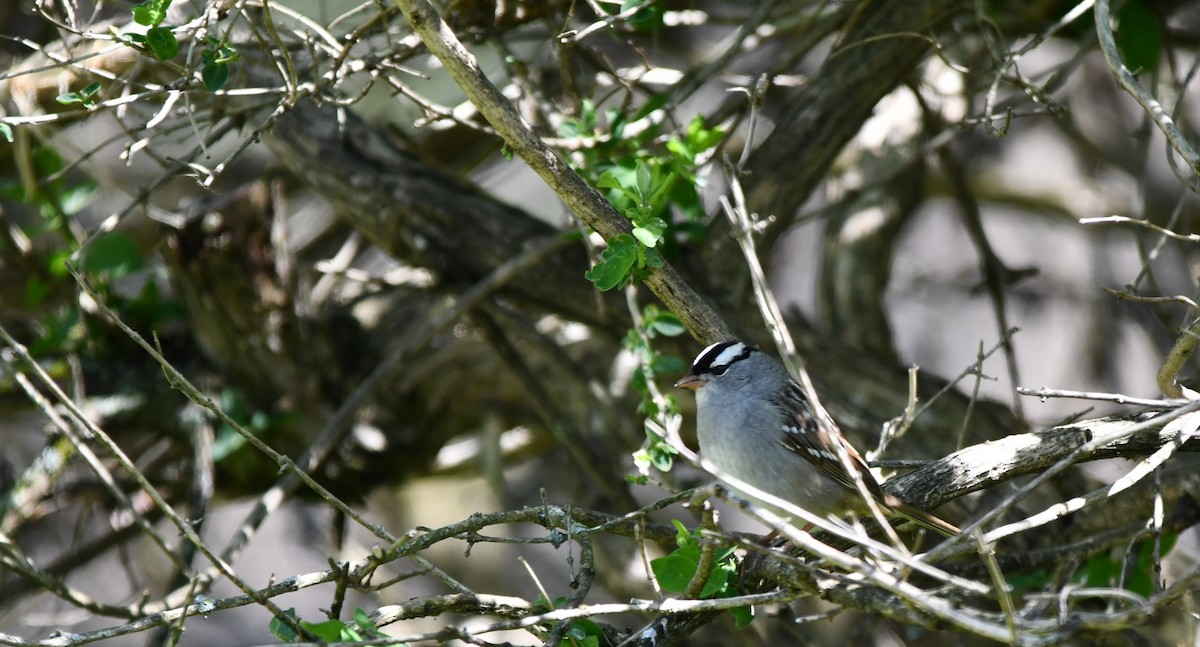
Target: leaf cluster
{"x": 676, "y": 571}
{"x": 332, "y": 630}
{"x": 159, "y": 40}
{"x": 656, "y": 452}
{"x": 652, "y": 183}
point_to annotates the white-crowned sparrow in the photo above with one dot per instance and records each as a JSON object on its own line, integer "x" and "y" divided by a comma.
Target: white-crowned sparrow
{"x": 755, "y": 424}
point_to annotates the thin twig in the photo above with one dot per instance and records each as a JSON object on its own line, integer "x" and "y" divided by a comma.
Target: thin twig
{"x": 1118, "y": 398}
{"x": 1130, "y": 84}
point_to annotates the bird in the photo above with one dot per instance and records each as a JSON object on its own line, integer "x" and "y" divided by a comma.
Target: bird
{"x": 755, "y": 424}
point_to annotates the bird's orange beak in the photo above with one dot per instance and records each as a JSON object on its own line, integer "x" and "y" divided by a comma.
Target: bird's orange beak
{"x": 690, "y": 381}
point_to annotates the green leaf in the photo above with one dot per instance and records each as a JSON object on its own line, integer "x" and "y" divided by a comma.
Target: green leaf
{"x": 78, "y": 197}
{"x": 142, "y": 15}
{"x": 161, "y": 42}
{"x": 656, "y": 226}
{"x": 84, "y": 96}
{"x": 681, "y": 150}
{"x": 661, "y": 189}
{"x": 6, "y": 132}
{"x": 366, "y": 625}
{"x": 226, "y": 442}
{"x": 587, "y": 116}
{"x": 667, "y": 365}
{"x": 215, "y": 71}
{"x": 586, "y": 632}
{"x": 662, "y": 456}
{"x": 646, "y": 236}
{"x": 685, "y": 197}
{"x": 1104, "y": 569}
{"x": 654, "y": 103}
{"x": 218, "y": 52}
{"x": 1138, "y": 36}
{"x": 742, "y": 616}
{"x": 644, "y": 180}
{"x": 570, "y": 129}
{"x": 113, "y": 253}
{"x": 151, "y": 12}
{"x": 700, "y": 138}
{"x": 331, "y": 630}
{"x": 638, "y": 380}
{"x": 673, "y": 572}
{"x": 63, "y": 328}
{"x": 615, "y": 263}
{"x": 214, "y": 76}
{"x": 35, "y": 291}
{"x": 56, "y": 265}
{"x": 616, "y": 123}
{"x": 682, "y": 535}
{"x": 653, "y": 259}
{"x": 281, "y": 630}
{"x": 648, "y": 17}
{"x": 667, "y": 325}
{"x": 1027, "y": 581}
{"x": 717, "y": 580}
{"x": 609, "y": 180}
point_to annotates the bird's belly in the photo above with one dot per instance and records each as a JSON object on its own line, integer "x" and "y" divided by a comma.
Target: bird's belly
{"x": 773, "y": 468}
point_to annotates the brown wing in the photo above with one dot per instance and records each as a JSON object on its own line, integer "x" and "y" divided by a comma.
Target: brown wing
{"x": 807, "y": 435}
{"x": 811, "y": 438}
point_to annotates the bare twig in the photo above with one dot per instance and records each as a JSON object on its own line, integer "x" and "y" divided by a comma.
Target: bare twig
{"x": 1118, "y": 398}
{"x": 1108, "y": 44}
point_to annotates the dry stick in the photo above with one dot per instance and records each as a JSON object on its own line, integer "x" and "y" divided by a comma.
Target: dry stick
{"x": 997, "y": 277}
{"x": 39, "y": 479}
{"x": 608, "y": 21}
{"x": 15, "y": 561}
{"x": 68, "y": 431}
{"x": 988, "y": 552}
{"x": 185, "y": 528}
{"x": 560, "y": 426}
{"x": 583, "y": 200}
{"x": 1098, "y": 441}
{"x": 339, "y": 422}
{"x": 1126, "y": 220}
{"x": 1130, "y": 84}
{"x": 552, "y": 515}
{"x": 668, "y": 606}
{"x": 975, "y": 368}
{"x": 1174, "y": 362}
{"x": 918, "y": 598}
{"x": 707, "y": 557}
{"x": 1118, "y": 398}
{"x": 1181, "y": 429}
{"x": 189, "y": 390}
{"x": 977, "y": 382}
{"x": 1126, "y": 295}
{"x": 199, "y": 497}
{"x": 743, "y": 232}
{"x": 1013, "y": 58}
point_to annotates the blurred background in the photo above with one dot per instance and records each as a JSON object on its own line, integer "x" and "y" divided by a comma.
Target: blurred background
{"x": 295, "y": 204}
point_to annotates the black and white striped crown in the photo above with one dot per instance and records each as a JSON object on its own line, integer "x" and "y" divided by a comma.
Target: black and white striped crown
{"x": 716, "y": 359}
